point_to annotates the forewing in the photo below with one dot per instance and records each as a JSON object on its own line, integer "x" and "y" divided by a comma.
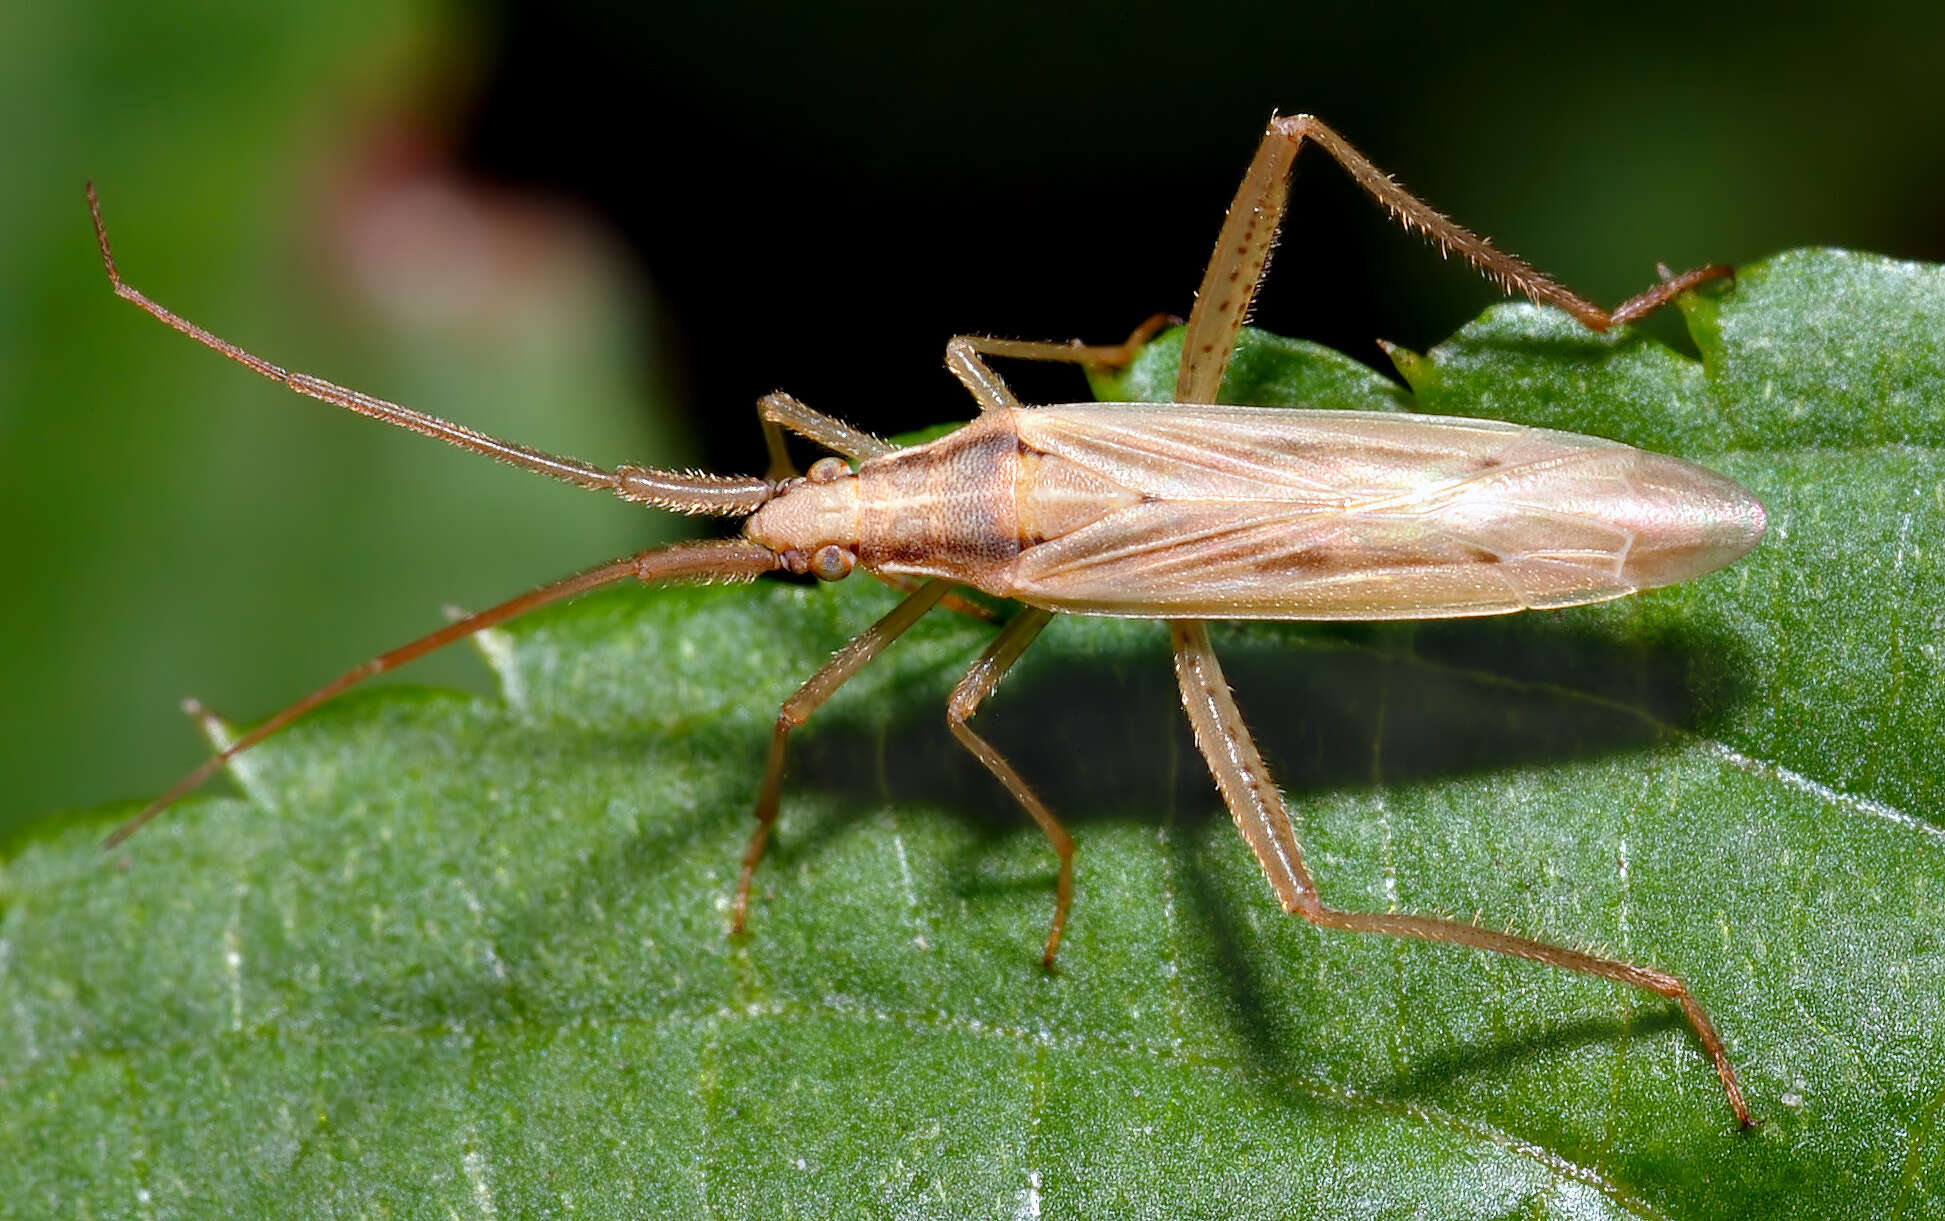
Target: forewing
{"x": 1252, "y": 513}
{"x": 1174, "y": 452}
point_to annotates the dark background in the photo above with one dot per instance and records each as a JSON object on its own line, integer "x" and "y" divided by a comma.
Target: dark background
{"x": 823, "y": 193}
{"x": 607, "y": 228}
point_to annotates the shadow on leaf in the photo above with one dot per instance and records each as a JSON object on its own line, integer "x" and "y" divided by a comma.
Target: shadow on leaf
{"x": 1331, "y": 709}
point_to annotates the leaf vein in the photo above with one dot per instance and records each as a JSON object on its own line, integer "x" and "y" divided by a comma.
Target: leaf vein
{"x": 1768, "y": 770}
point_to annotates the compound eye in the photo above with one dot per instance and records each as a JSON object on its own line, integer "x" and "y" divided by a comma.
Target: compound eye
{"x": 831, "y": 563}
{"x": 827, "y": 470}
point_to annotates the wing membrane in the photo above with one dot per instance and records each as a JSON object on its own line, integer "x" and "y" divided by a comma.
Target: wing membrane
{"x": 1265, "y": 513}
{"x": 1252, "y": 453}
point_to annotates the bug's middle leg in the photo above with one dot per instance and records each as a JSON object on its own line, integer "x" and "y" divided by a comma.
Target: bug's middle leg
{"x": 850, "y": 659}
{"x": 963, "y": 353}
{"x": 981, "y": 681}
{"x": 1073, "y": 352}
{"x": 1265, "y": 824}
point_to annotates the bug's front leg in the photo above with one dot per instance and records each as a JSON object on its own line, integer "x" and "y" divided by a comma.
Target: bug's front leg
{"x": 1265, "y": 823}
{"x": 850, "y": 659}
{"x": 779, "y": 411}
{"x": 980, "y": 681}
{"x": 1249, "y": 231}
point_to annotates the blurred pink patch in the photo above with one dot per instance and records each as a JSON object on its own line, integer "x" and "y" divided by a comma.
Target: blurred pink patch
{"x": 421, "y": 246}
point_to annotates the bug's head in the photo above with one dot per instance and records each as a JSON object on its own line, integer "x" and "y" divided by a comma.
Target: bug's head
{"x": 812, "y": 523}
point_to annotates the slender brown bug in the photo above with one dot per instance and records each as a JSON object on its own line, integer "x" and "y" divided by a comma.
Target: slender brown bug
{"x": 1185, "y": 511}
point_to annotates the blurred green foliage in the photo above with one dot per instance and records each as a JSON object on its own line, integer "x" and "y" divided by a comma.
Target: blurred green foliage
{"x": 177, "y": 526}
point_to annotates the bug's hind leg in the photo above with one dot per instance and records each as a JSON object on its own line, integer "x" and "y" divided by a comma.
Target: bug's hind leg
{"x": 850, "y": 659}
{"x": 981, "y": 681}
{"x": 1248, "y": 232}
{"x": 1260, "y": 815}
{"x": 1669, "y": 287}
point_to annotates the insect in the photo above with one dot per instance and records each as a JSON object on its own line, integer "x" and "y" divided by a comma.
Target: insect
{"x": 1185, "y": 511}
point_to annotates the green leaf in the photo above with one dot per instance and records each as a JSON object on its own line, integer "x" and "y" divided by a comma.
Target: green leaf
{"x": 468, "y": 957}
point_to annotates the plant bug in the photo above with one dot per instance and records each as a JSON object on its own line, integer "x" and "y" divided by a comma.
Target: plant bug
{"x": 1186, "y": 511}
